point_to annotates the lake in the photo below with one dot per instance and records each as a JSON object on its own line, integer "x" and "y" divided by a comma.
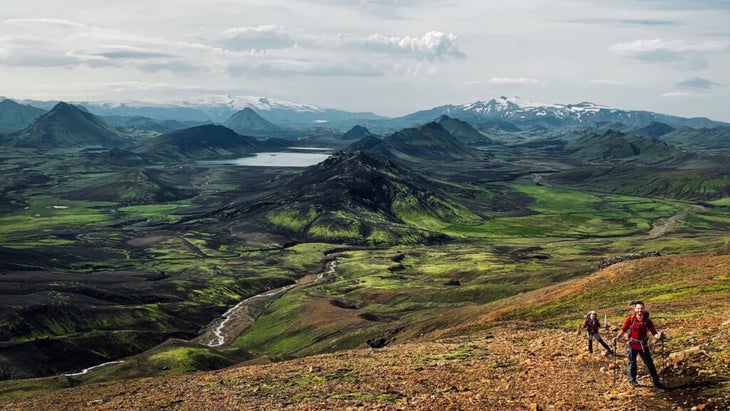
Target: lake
{"x": 277, "y": 159}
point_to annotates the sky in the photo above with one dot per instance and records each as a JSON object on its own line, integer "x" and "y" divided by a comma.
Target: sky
{"x": 389, "y": 57}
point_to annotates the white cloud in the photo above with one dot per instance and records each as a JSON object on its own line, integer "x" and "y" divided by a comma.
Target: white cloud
{"x": 680, "y": 53}
{"x": 605, "y": 82}
{"x": 696, "y": 84}
{"x": 47, "y": 21}
{"x": 523, "y": 81}
{"x": 257, "y": 38}
{"x": 432, "y": 45}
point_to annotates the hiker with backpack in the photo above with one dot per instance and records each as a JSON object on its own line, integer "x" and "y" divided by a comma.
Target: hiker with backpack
{"x": 637, "y": 326}
{"x": 591, "y": 325}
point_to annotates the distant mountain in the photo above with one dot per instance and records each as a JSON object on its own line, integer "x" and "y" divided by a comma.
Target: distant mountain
{"x": 68, "y": 126}
{"x": 617, "y": 146}
{"x": 146, "y": 123}
{"x": 497, "y": 125}
{"x": 717, "y": 138}
{"x": 525, "y": 114}
{"x": 219, "y": 108}
{"x": 428, "y": 142}
{"x": 654, "y": 129}
{"x": 356, "y": 198}
{"x": 285, "y": 112}
{"x": 248, "y": 123}
{"x": 15, "y": 117}
{"x": 667, "y": 182}
{"x": 358, "y": 132}
{"x": 198, "y": 143}
{"x": 463, "y": 131}
{"x": 502, "y": 114}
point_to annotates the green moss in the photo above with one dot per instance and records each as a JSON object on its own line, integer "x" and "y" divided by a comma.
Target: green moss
{"x": 294, "y": 220}
{"x": 184, "y": 359}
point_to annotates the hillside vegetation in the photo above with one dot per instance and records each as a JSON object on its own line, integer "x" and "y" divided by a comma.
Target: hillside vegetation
{"x": 520, "y": 352}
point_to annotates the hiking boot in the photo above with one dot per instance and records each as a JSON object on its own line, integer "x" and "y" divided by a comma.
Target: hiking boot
{"x": 660, "y": 386}
{"x": 610, "y": 354}
{"x": 633, "y": 383}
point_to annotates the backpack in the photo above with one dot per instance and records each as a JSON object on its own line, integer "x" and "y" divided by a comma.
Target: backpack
{"x": 587, "y": 321}
{"x": 644, "y": 322}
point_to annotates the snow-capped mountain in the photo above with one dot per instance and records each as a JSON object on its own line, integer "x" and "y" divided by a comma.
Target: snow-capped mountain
{"x": 214, "y": 108}
{"x": 505, "y": 113}
{"x": 516, "y": 107}
{"x": 525, "y": 113}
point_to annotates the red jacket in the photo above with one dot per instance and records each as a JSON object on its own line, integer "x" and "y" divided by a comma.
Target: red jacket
{"x": 591, "y": 325}
{"x": 637, "y": 331}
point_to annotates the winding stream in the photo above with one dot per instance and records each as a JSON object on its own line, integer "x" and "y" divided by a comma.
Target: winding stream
{"x": 237, "y": 318}
{"x": 85, "y": 370}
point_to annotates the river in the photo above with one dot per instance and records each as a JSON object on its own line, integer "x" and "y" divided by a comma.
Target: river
{"x": 237, "y": 319}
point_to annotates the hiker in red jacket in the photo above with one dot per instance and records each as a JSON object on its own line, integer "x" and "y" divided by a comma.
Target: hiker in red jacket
{"x": 637, "y": 326}
{"x": 591, "y": 325}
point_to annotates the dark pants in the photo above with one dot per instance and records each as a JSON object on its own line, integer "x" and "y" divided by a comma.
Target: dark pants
{"x": 645, "y": 355}
{"x": 598, "y": 338}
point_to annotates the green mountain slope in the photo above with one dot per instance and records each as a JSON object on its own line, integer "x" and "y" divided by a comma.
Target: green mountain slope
{"x": 132, "y": 186}
{"x": 428, "y": 142}
{"x": 250, "y": 123}
{"x": 617, "y": 146}
{"x": 197, "y": 143}
{"x": 67, "y": 126}
{"x": 706, "y": 184}
{"x": 709, "y": 139}
{"x": 15, "y": 117}
{"x": 463, "y": 131}
{"x": 358, "y": 198}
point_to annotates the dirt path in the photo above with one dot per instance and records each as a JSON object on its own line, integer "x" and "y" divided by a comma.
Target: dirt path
{"x": 662, "y": 227}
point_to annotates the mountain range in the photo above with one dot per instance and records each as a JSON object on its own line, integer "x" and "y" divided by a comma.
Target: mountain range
{"x": 503, "y": 114}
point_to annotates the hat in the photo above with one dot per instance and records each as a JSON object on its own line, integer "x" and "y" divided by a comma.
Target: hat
{"x": 592, "y": 313}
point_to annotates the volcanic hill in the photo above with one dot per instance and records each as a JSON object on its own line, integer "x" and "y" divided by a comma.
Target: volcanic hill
{"x": 356, "y": 198}
{"x": 428, "y": 142}
{"x": 206, "y": 142}
{"x": 68, "y": 126}
{"x": 250, "y": 123}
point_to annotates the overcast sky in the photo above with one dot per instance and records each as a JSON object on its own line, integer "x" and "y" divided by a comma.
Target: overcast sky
{"x": 390, "y": 57}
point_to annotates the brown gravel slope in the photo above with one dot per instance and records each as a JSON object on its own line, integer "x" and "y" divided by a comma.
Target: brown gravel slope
{"x": 488, "y": 362}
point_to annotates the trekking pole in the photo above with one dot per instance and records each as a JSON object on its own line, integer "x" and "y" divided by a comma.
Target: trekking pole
{"x": 615, "y": 363}
{"x": 664, "y": 359}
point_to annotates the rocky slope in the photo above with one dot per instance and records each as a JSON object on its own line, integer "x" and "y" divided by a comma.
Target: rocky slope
{"x": 520, "y": 353}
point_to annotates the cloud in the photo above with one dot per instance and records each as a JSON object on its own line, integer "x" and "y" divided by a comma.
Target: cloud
{"x": 677, "y": 53}
{"x": 605, "y": 82}
{"x": 288, "y": 67}
{"x": 432, "y": 46}
{"x": 257, "y": 38}
{"x": 47, "y": 21}
{"x": 675, "y": 5}
{"x": 696, "y": 84}
{"x": 122, "y": 52}
{"x": 522, "y": 81}
{"x": 626, "y": 22}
